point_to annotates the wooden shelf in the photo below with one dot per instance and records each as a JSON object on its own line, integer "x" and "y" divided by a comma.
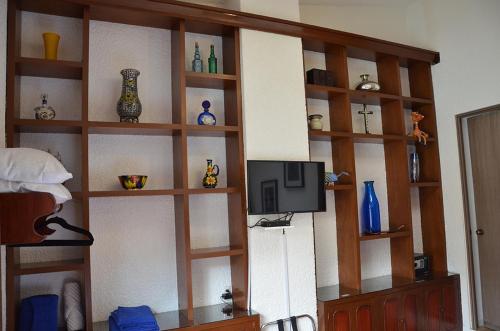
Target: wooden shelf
{"x": 384, "y": 235}
{"x": 411, "y": 140}
{"x": 134, "y": 193}
{"x": 143, "y": 129}
{"x": 317, "y": 135}
{"x": 426, "y": 184}
{"x": 217, "y": 190}
{"x": 409, "y": 102}
{"x": 210, "y": 81}
{"x": 207, "y": 253}
{"x": 48, "y": 68}
{"x": 211, "y": 131}
{"x": 371, "y": 98}
{"x": 48, "y": 267}
{"x": 323, "y": 92}
{"x": 51, "y": 7}
{"x": 363, "y": 138}
{"x": 339, "y": 187}
{"x": 47, "y": 126}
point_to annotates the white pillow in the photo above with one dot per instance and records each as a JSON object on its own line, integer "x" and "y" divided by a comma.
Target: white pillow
{"x": 60, "y": 193}
{"x": 31, "y": 166}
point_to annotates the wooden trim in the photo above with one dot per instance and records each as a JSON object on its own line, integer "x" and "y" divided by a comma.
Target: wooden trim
{"x": 465, "y": 201}
{"x": 201, "y": 17}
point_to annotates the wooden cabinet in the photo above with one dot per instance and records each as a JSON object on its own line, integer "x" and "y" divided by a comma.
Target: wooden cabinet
{"x": 420, "y": 306}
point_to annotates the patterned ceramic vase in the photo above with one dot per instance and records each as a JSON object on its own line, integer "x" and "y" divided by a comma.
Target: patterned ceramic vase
{"x": 210, "y": 179}
{"x": 129, "y": 107}
{"x": 206, "y": 117}
{"x": 44, "y": 112}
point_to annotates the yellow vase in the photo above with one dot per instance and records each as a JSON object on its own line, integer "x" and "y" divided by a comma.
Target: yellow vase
{"x": 51, "y": 42}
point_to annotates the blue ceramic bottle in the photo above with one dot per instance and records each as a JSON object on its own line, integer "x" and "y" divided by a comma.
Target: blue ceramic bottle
{"x": 206, "y": 117}
{"x": 371, "y": 210}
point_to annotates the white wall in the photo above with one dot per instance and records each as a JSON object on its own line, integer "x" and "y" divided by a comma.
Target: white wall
{"x": 463, "y": 81}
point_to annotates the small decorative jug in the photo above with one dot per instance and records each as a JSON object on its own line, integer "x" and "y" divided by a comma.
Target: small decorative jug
{"x": 129, "y": 106}
{"x": 206, "y": 117}
{"x": 197, "y": 64}
{"x": 315, "y": 122}
{"x": 44, "y": 112}
{"x": 366, "y": 84}
{"x": 210, "y": 179}
{"x": 370, "y": 210}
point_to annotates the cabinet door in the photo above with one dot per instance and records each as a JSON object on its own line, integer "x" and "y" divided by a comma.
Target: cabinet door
{"x": 433, "y": 309}
{"x": 341, "y": 320}
{"x": 410, "y": 311}
{"x": 364, "y": 318}
{"x": 451, "y": 309}
{"x": 392, "y": 318}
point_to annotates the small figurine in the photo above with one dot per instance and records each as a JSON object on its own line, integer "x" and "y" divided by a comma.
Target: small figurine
{"x": 197, "y": 61}
{"x": 331, "y": 178}
{"x": 365, "y": 114}
{"x": 44, "y": 112}
{"x": 315, "y": 122}
{"x": 419, "y": 135}
{"x": 206, "y": 117}
{"x": 367, "y": 85}
{"x": 212, "y": 61}
{"x": 210, "y": 178}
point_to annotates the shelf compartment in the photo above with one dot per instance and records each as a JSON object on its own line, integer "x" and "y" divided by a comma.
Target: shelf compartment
{"x": 48, "y": 68}
{"x": 371, "y": 98}
{"x": 364, "y": 138}
{"x": 217, "y": 190}
{"x": 48, "y": 267}
{"x": 323, "y": 92}
{"x": 339, "y": 187}
{"x": 210, "y": 81}
{"x": 52, "y": 7}
{"x": 211, "y": 130}
{"x": 409, "y": 102}
{"x": 425, "y": 184}
{"x": 317, "y": 135}
{"x": 384, "y": 235}
{"x": 143, "y": 129}
{"x": 134, "y": 193}
{"x": 47, "y": 126}
{"x": 207, "y": 253}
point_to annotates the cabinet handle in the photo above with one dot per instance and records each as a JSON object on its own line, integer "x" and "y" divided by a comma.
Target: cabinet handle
{"x": 479, "y": 232}
{"x": 404, "y": 325}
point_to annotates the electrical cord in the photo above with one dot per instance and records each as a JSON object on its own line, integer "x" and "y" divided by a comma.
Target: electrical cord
{"x": 287, "y": 217}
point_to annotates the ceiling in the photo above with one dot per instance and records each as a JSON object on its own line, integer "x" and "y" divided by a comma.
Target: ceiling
{"x": 356, "y": 2}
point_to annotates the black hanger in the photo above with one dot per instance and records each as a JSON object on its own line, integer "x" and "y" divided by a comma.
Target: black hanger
{"x": 41, "y": 227}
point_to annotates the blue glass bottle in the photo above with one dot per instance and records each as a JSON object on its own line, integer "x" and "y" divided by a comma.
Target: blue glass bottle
{"x": 370, "y": 210}
{"x": 206, "y": 117}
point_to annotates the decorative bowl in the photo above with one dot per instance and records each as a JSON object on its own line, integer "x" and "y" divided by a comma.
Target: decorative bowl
{"x": 133, "y": 182}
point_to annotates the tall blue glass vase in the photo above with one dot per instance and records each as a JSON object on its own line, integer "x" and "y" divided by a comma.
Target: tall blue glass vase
{"x": 371, "y": 210}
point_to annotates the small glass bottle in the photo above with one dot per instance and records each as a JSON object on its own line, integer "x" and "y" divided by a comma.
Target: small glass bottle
{"x": 414, "y": 168}
{"x": 370, "y": 211}
{"x": 212, "y": 61}
{"x": 44, "y": 112}
{"x": 206, "y": 117}
{"x": 197, "y": 61}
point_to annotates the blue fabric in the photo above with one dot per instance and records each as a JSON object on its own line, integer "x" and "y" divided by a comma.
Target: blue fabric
{"x": 133, "y": 319}
{"x": 39, "y": 313}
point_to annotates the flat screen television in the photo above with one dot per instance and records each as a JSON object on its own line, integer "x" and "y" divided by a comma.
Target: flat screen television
{"x": 276, "y": 187}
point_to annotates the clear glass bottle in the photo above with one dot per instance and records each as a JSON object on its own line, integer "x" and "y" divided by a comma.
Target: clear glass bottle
{"x": 414, "y": 168}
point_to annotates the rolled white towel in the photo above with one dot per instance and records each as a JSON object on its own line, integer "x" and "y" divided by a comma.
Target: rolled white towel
{"x": 73, "y": 307}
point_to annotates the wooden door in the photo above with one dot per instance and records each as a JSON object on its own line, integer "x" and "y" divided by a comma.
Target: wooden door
{"x": 433, "y": 308}
{"x": 364, "y": 317}
{"x": 341, "y": 321}
{"x": 484, "y": 144}
{"x": 410, "y": 311}
{"x": 392, "y": 313}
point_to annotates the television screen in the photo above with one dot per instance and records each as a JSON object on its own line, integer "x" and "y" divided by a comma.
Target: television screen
{"x": 285, "y": 186}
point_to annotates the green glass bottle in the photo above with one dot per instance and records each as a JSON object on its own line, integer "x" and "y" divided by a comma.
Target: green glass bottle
{"x": 212, "y": 61}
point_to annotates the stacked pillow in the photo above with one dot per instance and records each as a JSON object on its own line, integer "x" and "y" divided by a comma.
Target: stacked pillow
{"x": 32, "y": 170}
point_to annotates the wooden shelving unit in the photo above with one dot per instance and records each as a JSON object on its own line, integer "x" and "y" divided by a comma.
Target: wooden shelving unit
{"x": 395, "y": 140}
{"x": 179, "y": 129}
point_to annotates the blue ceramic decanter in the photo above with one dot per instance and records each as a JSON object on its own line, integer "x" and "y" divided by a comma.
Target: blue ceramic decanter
{"x": 206, "y": 117}
{"x": 370, "y": 210}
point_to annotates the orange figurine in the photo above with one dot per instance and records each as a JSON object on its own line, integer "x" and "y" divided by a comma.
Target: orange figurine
{"x": 419, "y": 135}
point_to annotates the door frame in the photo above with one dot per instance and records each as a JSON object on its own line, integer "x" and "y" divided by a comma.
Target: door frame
{"x": 465, "y": 189}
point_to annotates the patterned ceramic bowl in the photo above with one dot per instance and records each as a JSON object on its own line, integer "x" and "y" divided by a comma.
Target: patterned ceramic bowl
{"x": 133, "y": 182}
